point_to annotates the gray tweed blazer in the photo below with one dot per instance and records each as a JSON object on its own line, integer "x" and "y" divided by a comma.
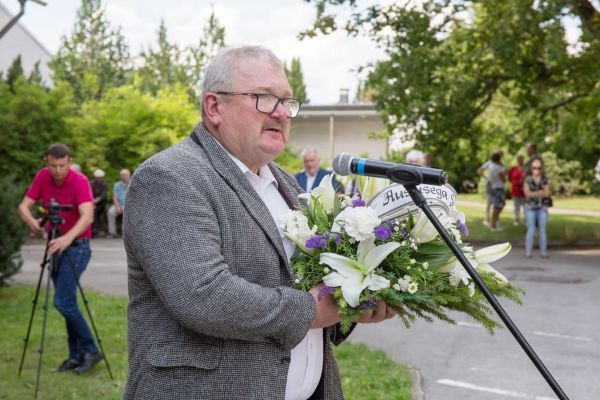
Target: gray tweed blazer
{"x": 211, "y": 312}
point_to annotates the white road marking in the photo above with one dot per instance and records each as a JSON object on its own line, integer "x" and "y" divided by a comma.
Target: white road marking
{"x": 507, "y": 393}
{"x": 557, "y": 335}
{"x": 469, "y": 324}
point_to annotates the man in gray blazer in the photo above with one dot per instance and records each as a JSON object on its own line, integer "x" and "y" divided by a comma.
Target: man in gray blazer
{"x": 212, "y": 313}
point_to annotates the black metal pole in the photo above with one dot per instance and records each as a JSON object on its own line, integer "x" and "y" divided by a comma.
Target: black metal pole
{"x": 34, "y": 306}
{"x": 421, "y": 202}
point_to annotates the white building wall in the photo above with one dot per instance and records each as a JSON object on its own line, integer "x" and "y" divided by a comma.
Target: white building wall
{"x": 17, "y": 41}
{"x": 350, "y": 135}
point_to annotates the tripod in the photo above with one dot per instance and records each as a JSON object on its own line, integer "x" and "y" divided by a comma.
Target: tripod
{"x": 51, "y": 260}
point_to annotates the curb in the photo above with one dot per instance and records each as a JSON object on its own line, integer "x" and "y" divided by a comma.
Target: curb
{"x": 417, "y": 383}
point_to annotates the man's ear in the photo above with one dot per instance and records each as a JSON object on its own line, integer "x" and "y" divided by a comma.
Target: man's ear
{"x": 212, "y": 111}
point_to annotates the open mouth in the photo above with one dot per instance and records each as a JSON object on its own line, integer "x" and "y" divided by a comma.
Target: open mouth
{"x": 274, "y": 129}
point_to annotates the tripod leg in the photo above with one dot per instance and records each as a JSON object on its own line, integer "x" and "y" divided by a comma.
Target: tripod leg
{"x": 87, "y": 308}
{"x": 34, "y": 306}
{"x": 53, "y": 260}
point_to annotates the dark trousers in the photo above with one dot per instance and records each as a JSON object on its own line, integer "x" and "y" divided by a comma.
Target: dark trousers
{"x": 65, "y": 299}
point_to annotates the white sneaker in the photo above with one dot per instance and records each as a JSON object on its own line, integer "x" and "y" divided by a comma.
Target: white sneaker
{"x": 515, "y": 223}
{"x": 486, "y": 223}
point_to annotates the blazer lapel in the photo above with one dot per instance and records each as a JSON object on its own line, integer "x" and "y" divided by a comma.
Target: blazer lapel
{"x": 234, "y": 177}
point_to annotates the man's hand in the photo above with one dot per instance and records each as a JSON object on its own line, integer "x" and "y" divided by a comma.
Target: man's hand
{"x": 59, "y": 244}
{"x": 119, "y": 210}
{"x": 380, "y": 313}
{"x": 327, "y": 310}
{"x": 35, "y": 225}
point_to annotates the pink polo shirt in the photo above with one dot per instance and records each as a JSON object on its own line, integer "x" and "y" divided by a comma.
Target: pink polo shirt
{"x": 74, "y": 190}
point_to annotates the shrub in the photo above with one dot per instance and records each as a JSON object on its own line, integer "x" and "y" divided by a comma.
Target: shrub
{"x": 12, "y": 231}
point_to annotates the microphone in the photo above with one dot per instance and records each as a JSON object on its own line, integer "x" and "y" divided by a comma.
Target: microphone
{"x": 405, "y": 174}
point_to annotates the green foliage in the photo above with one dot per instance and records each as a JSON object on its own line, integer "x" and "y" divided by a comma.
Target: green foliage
{"x": 31, "y": 118}
{"x": 15, "y": 71}
{"x": 12, "y": 231}
{"x": 127, "y": 126}
{"x": 296, "y": 79}
{"x": 565, "y": 176}
{"x": 290, "y": 161}
{"x": 465, "y": 77}
{"x": 169, "y": 65}
{"x": 94, "y": 57}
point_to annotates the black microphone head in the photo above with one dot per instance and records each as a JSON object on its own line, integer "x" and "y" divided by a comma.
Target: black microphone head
{"x": 341, "y": 164}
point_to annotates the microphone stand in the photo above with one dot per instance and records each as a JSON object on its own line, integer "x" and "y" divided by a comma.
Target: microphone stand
{"x": 421, "y": 202}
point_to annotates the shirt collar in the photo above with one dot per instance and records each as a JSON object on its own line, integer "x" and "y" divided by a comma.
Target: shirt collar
{"x": 264, "y": 172}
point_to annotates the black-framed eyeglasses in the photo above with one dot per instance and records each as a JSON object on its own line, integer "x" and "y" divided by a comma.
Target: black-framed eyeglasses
{"x": 267, "y": 103}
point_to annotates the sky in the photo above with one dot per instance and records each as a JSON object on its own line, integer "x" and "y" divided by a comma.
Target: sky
{"x": 329, "y": 63}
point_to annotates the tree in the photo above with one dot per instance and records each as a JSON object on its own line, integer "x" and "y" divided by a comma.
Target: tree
{"x": 95, "y": 56}
{"x": 168, "y": 64}
{"x": 127, "y": 126}
{"x": 12, "y": 231}
{"x": 464, "y": 77}
{"x": 294, "y": 75}
{"x": 162, "y": 67}
{"x": 31, "y": 117}
{"x": 14, "y": 71}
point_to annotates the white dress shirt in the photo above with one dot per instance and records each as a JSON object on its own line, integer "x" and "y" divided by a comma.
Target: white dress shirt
{"x": 306, "y": 365}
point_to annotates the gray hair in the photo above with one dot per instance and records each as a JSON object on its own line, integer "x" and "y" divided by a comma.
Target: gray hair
{"x": 415, "y": 156}
{"x": 309, "y": 150}
{"x": 219, "y": 73}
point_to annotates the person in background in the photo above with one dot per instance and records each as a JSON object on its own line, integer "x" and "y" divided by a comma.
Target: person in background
{"x": 428, "y": 160}
{"x": 415, "y": 157}
{"x": 532, "y": 152}
{"x": 536, "y": 188}
{"x": 61, "y": 183}
{"x": 497, "y": 177}
{"x": 99, "y": 191}
{"x": 119, "y": 193}
{"x": 312, "y": 175}
{"x": 483, "y": 171}
{"x": 516, "y": 175}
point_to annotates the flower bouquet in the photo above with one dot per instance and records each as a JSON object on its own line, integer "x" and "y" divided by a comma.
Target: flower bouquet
{"x": 362, "y": 253}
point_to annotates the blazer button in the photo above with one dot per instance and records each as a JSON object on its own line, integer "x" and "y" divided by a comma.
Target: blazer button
{"x": 286, "y": 359}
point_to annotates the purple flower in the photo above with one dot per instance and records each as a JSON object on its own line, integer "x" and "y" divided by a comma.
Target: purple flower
{"x": 358, "y": 203}
{"x": 382, "y": 233}
{"x": 324, "y": 291}
{"x": 462, "y": 227}
{"x": 327, "y": 236}
{"x": 371, "y": 304}
{"x": 316, "y": 241}
{"x": 356, "y": 192}
{"x": 403, "y": 230}
{"x": 338, "y": 239}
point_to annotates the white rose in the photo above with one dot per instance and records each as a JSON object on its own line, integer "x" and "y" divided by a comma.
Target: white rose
{"x": 358, "y": 222}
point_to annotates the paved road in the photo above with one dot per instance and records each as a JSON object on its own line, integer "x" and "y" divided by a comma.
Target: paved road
{"x": 560, "y": 318}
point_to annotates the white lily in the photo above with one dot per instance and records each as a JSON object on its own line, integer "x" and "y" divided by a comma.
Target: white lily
{"x": 325, "y": 192}
{"x": 295, "y": 227}
{"x": 423, "y": 230}
{"x": 370, "y": 186}
{"x": 356, "y": 275}
{"x": 479, "y": 260}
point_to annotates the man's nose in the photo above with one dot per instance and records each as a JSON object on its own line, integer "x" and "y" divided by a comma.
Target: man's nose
{"x": 280, "y": 111}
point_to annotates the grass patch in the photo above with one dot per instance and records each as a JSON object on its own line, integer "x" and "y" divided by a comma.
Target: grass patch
{"x": 564, "y": 227}
{"x": 366, "y": 374}
{"x": 370, "y": 375}
{"x": 582, "y": 203}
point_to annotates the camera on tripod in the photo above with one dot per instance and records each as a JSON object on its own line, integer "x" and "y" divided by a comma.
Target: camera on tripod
{"x": 52, "y": 212}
